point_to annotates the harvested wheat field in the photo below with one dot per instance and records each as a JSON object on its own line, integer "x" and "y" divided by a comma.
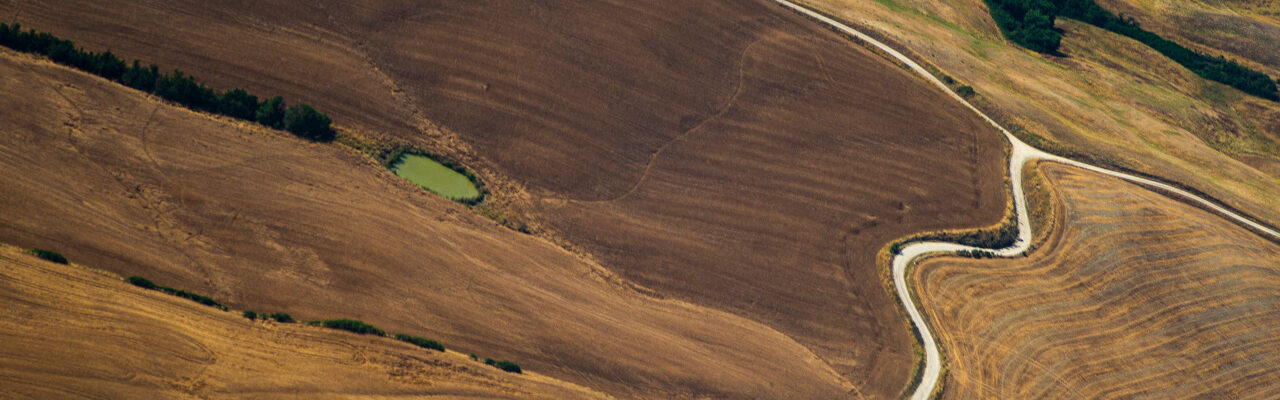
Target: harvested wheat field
{"x": 1131, "y": 295}
{"x": 728, "y": 154}
{"x": 262, "y": 220}
{"x": 74, "y": 332}
{"x": 1110, "y": 100}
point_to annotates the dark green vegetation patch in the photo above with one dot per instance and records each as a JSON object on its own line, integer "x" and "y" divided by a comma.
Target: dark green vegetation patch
{"x": 301, "y": 119}
{"x": 51, "y": 256}
{"x": 504, "y": 365}
{"x": 1029, "y": 23}
{"x": 149, "y": 285}
{"x": 420, "y": 342}
{"x": 352, "y": 325}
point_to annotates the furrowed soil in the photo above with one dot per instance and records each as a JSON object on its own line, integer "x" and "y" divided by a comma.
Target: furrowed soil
{"x": 1131, "y": 294}
{"x": 729, "y": 154}
{"x": 74, "y": 332}
{"x": 1113, "y": 101}
{"x": 261, "y": 220}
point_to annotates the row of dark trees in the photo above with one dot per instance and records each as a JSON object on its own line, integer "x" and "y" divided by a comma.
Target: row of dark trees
{"x": 1029, "y": 23}
{"x": 301, "y": 119}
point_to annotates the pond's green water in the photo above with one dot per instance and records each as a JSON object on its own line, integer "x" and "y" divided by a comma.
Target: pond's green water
{"x": 435, "y": 177}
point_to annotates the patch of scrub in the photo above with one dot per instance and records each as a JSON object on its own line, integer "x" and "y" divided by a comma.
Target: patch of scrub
{"x": 451, "y": 181}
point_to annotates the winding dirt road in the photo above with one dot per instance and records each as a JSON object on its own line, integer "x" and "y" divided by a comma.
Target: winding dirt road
{"x": 1021, "y": 153}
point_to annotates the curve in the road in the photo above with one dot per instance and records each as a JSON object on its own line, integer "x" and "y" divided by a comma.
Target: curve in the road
{"x": 1021, "y": 153}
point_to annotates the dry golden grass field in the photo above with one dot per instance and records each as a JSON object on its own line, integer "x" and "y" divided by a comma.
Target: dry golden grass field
{"x": 262, "y": 220}
{"x": 72, "y": 332}
{"x": 1112, "y": 100}
{"x": 1246, "y": 30}
{"x": 727, "y": 154}
{"x": 1131, "y": 294}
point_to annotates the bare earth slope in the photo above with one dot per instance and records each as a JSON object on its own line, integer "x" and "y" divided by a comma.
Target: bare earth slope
{"x": 1111, "y": 100}
{"x": 727, "y": 153}
{"x": 776, "y": 208}
{"x": 1131, "y": 295}
{"x": 264, "y": 221}
{"x": 73, "y": 332}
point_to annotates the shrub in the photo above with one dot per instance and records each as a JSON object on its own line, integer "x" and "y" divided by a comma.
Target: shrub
{"x": 895, "y": 248}
{"x": 488, "y": 361}
{"x": 206, "y": 300}
{"x": 238, "y": 104}
{"x": 508, "y": 366}
{"x": 270, "y": 113}
{"x": 965, "y": 91}
{"x": 51, "y": 256}
{"x": 141, "y": 78}
{"x": 182, "y": 89}
{"x": 148, "y": 284}
{"x": 307, "y": 123}
{"x": 352, "y": 325}
{"x": 142, "y": 282}
{"x": 420, "y": 342}
{"x": 472, "y": 355}
{"x": 282, "y": 317}
{"x": 250, "y": 314}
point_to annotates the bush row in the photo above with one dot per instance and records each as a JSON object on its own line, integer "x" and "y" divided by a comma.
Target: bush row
{"x": 1029, "y": 23}
{"x": 148, "y": 284}
{"x": 976, "y": 254}
{"x": 277, "y": 316}
{"x": 420, "y": 342}
{"x": 352, "y": 325}
{"x": 51, "y": 256}
{"x": 301, "y": 119}
{"x": 504, "y": 365}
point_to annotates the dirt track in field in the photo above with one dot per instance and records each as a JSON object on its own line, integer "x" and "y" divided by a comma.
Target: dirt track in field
{"x": 1131, "y": 294}
{"x": 729, "y": 154}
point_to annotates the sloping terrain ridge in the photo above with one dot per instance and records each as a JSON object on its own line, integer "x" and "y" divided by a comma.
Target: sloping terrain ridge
{"x": 78, "y": 333}
{"x": 728, "y": 154}
{"x": 1131, "y": 295}
{"x": 261, "y": 220}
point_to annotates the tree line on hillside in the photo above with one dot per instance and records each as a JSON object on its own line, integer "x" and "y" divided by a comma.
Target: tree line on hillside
{"x": 1029, "y": 23}
{"x": 300, "y": 119}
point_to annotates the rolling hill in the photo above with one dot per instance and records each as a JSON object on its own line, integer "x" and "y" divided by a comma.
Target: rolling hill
{"x": 75, "y": 332}
{"x": 261, "y": 220}
{"x": 1130, "y": 294}
{"x": 731, "y": 155}
{"x": 1111, "y": 100}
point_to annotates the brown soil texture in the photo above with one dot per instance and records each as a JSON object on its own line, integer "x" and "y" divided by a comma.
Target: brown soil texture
{"x": 775, "y": 208}
{"x": 731, "y": 154}
{"x": 1111, "y": 100}
{"x": 261, "y": 220}
{"x": 1131, "y": 295}
{"x": 76, "y": 333}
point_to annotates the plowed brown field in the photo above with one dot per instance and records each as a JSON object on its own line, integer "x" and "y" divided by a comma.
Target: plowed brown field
{"x": 75, "y": 333}
{"x": 265, "y": 221}
{"x": 1131, "y": 295}
{"x": 727, "y": 153}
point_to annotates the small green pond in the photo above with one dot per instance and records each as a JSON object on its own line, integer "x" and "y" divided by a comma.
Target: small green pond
{"x": 436, "y": 177}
